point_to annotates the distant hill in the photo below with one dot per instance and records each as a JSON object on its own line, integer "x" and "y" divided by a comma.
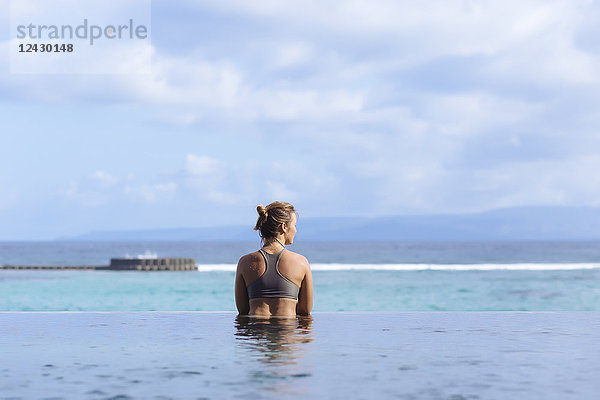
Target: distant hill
{"x": 517, "y": 223}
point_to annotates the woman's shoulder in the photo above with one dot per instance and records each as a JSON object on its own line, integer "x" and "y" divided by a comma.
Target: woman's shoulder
{"x": 295, "y": 257}
{"x": 250, "y": 258}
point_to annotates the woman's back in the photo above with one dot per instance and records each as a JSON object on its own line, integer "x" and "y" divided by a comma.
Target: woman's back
{"x": 271, "y": 283}
{"x": 274, "y": 281}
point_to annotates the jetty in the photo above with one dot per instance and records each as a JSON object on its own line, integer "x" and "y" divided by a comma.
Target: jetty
{"x": 123, "y": 264}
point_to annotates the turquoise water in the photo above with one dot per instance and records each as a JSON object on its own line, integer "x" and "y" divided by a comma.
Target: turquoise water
{"x": 527, "y": 276}
{"x": 428, "y": 356}
{"x": 362, "y": 290}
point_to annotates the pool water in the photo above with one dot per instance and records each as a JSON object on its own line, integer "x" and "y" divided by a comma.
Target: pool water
{"x": 204, "y": 355}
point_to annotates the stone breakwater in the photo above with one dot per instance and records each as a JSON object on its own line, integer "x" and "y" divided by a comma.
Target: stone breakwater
{"x": 123, "y": 264}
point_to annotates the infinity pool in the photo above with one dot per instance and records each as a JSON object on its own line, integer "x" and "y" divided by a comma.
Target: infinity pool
{"x": 199, "y": 355}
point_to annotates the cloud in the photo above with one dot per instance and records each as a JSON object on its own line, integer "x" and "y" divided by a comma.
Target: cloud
{"x": 104, "y": 179}
{"x": 202, "y": 166}
{"x": 208, "y": 178}
{"x": 150, "y": 193}
{"x": 100, "y": 189}
{"x": 531, "y": 44}
{"x": 96, "y": 189}
{"x": 533, "y": 182}
{"x": 289, "y": 55}
{"x": 89, "y": 197}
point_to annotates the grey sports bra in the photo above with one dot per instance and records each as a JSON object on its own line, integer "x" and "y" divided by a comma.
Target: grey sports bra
{"x": 272, "y": 283}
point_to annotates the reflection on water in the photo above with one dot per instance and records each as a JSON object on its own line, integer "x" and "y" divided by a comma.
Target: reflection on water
{"x": 279, "y": 341}
{"x": 273, "y": 353}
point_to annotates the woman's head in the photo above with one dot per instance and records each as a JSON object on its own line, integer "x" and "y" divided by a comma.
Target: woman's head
{"x": 275, "y": 219}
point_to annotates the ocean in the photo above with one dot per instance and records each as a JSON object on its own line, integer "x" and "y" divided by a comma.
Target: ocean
{"x": 348, "y": 276}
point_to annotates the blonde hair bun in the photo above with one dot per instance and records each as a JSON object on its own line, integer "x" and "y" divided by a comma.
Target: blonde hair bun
{"x": 262, "y": 211}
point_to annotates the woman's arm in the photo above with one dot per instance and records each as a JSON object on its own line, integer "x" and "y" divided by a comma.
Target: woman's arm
{"x": 241, "y": 293}
{"x": 305, "y": 297}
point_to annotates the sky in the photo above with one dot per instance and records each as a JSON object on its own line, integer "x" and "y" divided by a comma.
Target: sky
{"x": 343, "y": 108}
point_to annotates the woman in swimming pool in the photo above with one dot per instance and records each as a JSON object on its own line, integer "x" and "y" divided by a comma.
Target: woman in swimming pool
{"x": 274, "y": 281}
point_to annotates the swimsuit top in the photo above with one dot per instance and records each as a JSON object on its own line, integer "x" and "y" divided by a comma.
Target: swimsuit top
{"x": 272, "y": 283}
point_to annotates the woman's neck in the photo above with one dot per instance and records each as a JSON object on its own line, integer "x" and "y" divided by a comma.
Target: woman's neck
{"x": 274, "y": 244}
